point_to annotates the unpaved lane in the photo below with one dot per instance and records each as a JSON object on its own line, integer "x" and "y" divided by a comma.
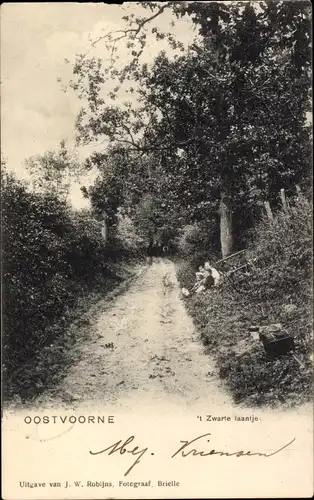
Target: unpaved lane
{"x": 143, "y": 349}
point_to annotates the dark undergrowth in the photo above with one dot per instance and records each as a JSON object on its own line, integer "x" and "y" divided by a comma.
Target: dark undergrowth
{"x": 51, "y": 362}
{"x": 277, "y": 290}
{"x": 56, "y": 262}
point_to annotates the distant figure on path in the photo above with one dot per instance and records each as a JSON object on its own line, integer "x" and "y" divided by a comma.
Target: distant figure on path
{"x": 150, "y": 251}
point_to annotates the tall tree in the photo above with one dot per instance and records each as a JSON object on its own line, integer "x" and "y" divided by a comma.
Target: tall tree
{"x": 134, "y": 185}
{"x": 235, "y": 104}
{"x": 54, "y": 171}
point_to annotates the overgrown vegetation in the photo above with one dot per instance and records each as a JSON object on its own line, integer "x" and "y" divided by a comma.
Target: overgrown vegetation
{"x": 217, "y": 128}
{"x": 277, "y": 290}
{"x": 53, "y": 258}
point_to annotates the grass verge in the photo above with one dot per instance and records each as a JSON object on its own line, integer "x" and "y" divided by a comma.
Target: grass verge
{"x": 278, "y": 290}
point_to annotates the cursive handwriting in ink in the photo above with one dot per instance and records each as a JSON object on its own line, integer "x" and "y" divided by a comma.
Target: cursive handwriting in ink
{"x": 118, "y": 447}
{"x": 185, "y": 450}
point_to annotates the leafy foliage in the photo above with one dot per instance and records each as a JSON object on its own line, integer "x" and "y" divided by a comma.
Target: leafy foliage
{"x": 52, "y": 256}
{"x": 136, "y": 187}
{"x": 217, "y": 128}
{"x": 54, "y": 171}
{"x": 225, "y": 120}
{"x": 281, "y": 279}
{"x": 196, "y": 242}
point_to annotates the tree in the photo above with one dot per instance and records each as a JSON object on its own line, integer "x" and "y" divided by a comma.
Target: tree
{"x": 136, "y": 186}
{"x": 54, "y": 171}
{"x": 235, "y": 132}
{"x": 235, "y": 105}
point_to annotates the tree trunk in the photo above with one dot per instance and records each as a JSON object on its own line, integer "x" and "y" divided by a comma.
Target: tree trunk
{"x": 104, "y": 228}
{"x": 226, "y": 239}
{"x": 104, "y": 231}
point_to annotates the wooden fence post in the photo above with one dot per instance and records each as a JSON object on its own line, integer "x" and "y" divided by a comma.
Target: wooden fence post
{"x": 283, "y": 200}
{"x": 268, "y": 210}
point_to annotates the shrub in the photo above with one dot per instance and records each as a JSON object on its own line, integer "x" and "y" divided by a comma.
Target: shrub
{"x": 127, "y": 236}
{"x": 186, "y": 274}
{"x": 283, "y": 249}
{"x": 51, "y": 256}
{"x": 196, "y": 242}
{"x": 281, "y": 277}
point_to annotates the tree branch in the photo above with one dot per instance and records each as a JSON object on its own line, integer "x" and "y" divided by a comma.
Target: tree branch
{"x": 127, "y": 31}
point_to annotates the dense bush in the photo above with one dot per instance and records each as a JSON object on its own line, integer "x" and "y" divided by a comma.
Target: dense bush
{"x": 51, "y": 257}
{"x": 283, "y": 249}
{"x": 186, "y": 274}
{"x": 277, "y": 290}
{"x": 127, "y": 234}
{"x": 197, "y": 241}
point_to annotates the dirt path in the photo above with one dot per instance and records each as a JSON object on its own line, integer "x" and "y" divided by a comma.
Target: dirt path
{"x": 143, "y": 348}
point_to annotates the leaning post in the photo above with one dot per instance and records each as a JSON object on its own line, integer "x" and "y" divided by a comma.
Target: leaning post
{"x": 268, "y": 210}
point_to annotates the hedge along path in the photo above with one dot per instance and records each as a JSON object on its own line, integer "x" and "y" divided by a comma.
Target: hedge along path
{"x": 142, "y": 350}
{"x": 47, "y": 361}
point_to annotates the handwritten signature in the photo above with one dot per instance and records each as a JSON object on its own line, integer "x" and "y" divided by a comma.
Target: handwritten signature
{"x": 184, "y": 451}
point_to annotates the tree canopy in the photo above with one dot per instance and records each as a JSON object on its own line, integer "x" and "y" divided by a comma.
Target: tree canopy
{"x": 217, "y": 127}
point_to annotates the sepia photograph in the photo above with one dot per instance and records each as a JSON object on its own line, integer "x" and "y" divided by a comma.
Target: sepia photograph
{"x": 156, "y": 205}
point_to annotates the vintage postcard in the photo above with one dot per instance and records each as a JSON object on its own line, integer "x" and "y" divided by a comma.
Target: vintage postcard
{"x": 156, "y": 184}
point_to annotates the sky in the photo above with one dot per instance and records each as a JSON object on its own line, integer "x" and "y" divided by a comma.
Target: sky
{"x": 36, "y": 114}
